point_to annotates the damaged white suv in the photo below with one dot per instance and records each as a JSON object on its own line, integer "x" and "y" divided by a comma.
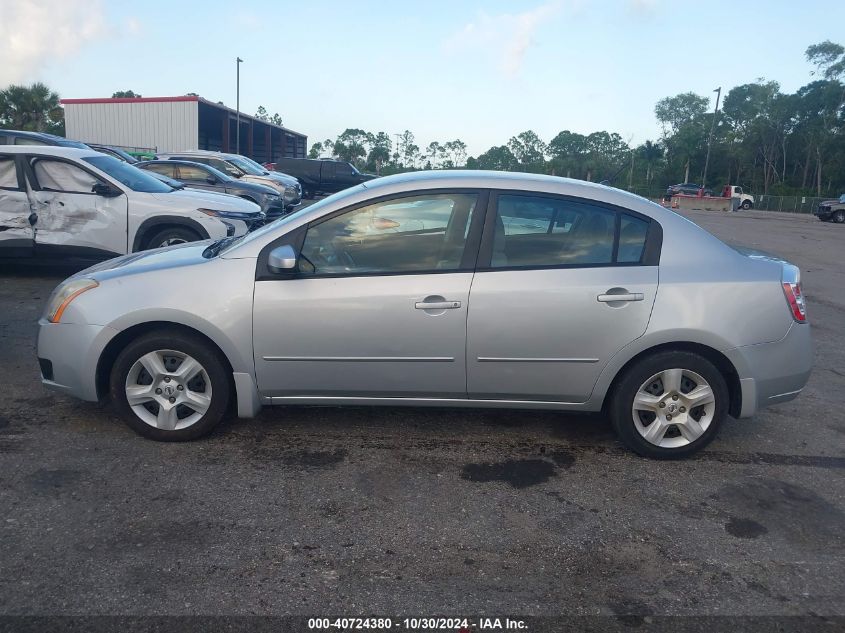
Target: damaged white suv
{"x": 67, "y": 202}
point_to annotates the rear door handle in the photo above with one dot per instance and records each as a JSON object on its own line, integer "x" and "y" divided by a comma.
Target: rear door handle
{"x": 631, "y": 296}
{"x": 437, "y": 305}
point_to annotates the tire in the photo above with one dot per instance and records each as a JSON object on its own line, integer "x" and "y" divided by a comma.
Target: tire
{"x": 308, "y": 194}
{"x": 746, "y": 205}
{"x": 201, "y": 400}
{"x": 692, "y": 430}
{"x": 172, "y": 235}
{"x": 839, "y": 216}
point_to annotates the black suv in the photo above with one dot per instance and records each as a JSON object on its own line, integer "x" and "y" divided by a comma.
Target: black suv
{"x": 21, "y": 137}
{"x": 320, "y": 175}
{"x": 199, "y": 176}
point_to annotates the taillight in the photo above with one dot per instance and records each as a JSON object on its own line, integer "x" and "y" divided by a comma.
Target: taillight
{"x": 795, "y": 299}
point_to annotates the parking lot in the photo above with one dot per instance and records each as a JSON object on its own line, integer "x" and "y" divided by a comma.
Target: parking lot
{"x": 423, "y": 511}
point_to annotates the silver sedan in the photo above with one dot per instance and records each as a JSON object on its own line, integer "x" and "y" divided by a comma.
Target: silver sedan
{"x": 455, "y": 288}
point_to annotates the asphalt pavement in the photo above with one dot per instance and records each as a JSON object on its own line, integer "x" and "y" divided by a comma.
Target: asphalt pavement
{"x": 319, "y": 511}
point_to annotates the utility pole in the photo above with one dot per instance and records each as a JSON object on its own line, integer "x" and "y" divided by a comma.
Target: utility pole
{"x": 238, "y": 106}
{"x": 718, "y": 92}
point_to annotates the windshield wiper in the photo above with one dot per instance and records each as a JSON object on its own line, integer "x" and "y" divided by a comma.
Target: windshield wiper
{"x": 215, "y": 247}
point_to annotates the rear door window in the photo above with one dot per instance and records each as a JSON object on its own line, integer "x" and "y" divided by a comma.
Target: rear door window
{"x": 190, "y": 172}
{"x": 539, "y": 231}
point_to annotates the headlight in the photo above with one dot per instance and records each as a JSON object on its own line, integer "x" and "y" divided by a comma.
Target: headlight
{"x": 64, "y": 294}
{"x": 232, "y": 215}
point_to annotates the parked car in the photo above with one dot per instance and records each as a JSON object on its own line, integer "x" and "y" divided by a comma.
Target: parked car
{"x": 832, "y": 210}
{"x": 321, "y": 175}
{"x": 118, "y": 153}
{"x": 22, "y": 137}
{"x": 453, "y": 288}
{"x": 686, "y": 189}
{"x": 68, "y": 202}
{"x": 199, "y": 176}
{"x": 237, "y": 166}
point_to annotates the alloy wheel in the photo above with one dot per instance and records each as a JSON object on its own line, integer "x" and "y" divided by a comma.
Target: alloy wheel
{"x": 168, "y": 390}
{"x": 673, "y": 408}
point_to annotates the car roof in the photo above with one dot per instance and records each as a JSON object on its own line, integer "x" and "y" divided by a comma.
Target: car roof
{"x": 42, "y": 136}
{"x": 51, "y": 150}
{"x": 175, "y": 161}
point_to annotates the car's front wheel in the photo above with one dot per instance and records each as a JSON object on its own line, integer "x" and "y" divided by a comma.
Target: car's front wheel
{"x": 669, "y": 405}
{"x": 746, "y": 204}
{"x": 170, "y": 386}
{"x": 171, "y": 236}
{"x": 839, "y": 217}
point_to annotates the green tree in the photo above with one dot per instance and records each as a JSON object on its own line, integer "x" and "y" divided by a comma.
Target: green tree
{"x": 499, "y": 158}
{"x": 528, "y": 148}
{"x": 684, "y": 122}
{"x": 315, "y": 150}
{"x": 125, "y": 94}
{"x": 457, "y": 151}
{"x": 33, "y": 107}
{"x": 261, "y": 114}
{"x": 829, "y": 58}
{"x": 649, "y": 153}
{"x": 276, "y": 120}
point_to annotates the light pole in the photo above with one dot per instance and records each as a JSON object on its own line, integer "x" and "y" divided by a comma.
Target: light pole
{"x": 718, "y": 92}
{"x": 238, "y": 106}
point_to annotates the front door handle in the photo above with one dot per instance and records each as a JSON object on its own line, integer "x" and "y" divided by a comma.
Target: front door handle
{"x": 631, "y": 296}
{"x": 437, "y": 305}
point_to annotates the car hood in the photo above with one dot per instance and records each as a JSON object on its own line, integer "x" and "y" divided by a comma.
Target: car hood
{"x": 187, "y": 254}
{"x": 280, "y": 177}
{"x": 195, "y": 198}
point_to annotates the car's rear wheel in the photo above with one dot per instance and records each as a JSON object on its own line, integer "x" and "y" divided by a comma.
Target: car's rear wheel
{"x": 839, "y": 217}
{"x": 170, "y": 386}
{"x": 172, "y": 235}
{"x": 669, "y": 405}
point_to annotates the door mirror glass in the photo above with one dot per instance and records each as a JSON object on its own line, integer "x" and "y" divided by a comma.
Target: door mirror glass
{"x": 211, "y": 180}
{"x": 282, "y": 259}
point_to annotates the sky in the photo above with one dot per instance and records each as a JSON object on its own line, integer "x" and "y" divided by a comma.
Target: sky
{"x": 481, "y": 71}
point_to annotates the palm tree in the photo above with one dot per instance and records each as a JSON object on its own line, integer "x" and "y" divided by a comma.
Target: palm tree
{"x": 650, "y": 153}
{"x": 34, "y": 107}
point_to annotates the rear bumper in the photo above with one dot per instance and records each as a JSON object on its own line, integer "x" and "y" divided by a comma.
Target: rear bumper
{"x": 771, "y": 373}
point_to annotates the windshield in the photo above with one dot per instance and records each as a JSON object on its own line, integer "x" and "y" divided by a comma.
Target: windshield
{"x": 68, "y": 143}
{"x": 246, "y": 166}
{"x": 129, "y": 175}
{"x": 256, "y": 165}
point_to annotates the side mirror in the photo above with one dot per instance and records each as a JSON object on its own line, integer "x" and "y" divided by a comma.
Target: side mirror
{"x": 282, "y": 259}
{"x": 211, "y": 180}
{"x": 107, "y": 191}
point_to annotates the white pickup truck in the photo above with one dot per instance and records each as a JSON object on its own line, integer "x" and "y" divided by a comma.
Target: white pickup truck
{"x": 746, "y": 201}
{"x": 67, "y": 202}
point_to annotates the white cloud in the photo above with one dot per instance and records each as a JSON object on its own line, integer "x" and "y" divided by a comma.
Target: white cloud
{"x": 34, "y": 33}
{"x": 508, "y": 35}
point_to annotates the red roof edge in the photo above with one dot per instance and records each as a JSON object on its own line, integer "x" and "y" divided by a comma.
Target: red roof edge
{"x": 131, "y": 100}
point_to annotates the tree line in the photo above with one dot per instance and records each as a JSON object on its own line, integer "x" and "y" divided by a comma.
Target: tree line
{"x": 764, "y": 139}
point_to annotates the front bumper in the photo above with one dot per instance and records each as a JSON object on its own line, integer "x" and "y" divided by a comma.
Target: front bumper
{"x": 69, "y": 353}
{"x": 771, "y": 373}
{"x": 293, "y": 197}
{"x": 275, "y": 209}
{"x": 824, "y": 212}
